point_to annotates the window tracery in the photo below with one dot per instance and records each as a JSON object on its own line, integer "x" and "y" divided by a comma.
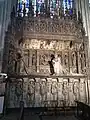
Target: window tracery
{"x": 43, "y": 7}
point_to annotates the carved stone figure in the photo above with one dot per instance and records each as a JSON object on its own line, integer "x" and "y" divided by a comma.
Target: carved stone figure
{"x": 82, "y": 90}
{"x": 65, "y": 92}
{"x": 37, "y": 94}
{"x": 54, "y": 89}
{"x": 43, "y": 91}
{"x": 71, "y": 95}
{"x": 18, "y": 92}
{"x": 49, "y": 95}
{"x": 60, "y": 92}
{"x": 73, "y": 59}
{"x": 76, "y": 90}
{"x": 12, "y": 98}
{"x": 30, "y": 93}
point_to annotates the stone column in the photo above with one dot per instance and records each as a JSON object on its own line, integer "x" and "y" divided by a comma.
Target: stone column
{"x": 87, "y": 11}
{"x": 5, "y": 18}
{"x": 83, "y": 10}
{"x": 78, "y": 60}
{"x": 70, "y": 61}
{"x": 83, "y": 7}
{"x": 37, "y": 61}
{"x": 77, "y": 7}
{"x": 30, "y": 61}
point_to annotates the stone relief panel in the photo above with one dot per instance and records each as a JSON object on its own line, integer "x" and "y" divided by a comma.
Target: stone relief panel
{"x": 76, "y": 89}
{"x": 60, "y": 92}
{"x": 66, "y": 62}
{"x": 25, "y": 91}
{"x": 49, "y": 92}
{"x": 82, "y": 90}
{"x": 70, "y": 60}
{"x": 22, "y": 67}
{"x": 31, "y": 93}
{"x": 55, "y": 28}
{"x": 37, "y": 93}
{"x": 46, "y": 44}
{"x": 34, "y": 61}
{"x": 43, "y": 91}
{"x": 18, "y": 92}
{"x": 73, "y": 62}
{"x": 36, "y": 26}
{"x": 44, "y": 58}
{"x": 26, "y": 58}
{"x": 43, "y": 26}
{"x": 15, "y": 94}
{"x": 82, "y": 56}
{"x": 52, "y": 26}
{"x": 71, "y": 92}
{"x": 24, "y": 62}
{"x": 65, "y": 91}
{"x": 82, "y": 62}
{"x": 30, "y": 25}
{"x": 49, "y": 95}
{"x": 54, "y": 89}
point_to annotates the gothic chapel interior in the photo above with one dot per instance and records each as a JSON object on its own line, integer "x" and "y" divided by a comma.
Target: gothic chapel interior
{"x": 38, "y": 30}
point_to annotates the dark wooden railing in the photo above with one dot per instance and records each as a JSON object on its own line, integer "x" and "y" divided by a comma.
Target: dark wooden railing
{"x": 21, "y": 116}
{"x": 83, "y": 111}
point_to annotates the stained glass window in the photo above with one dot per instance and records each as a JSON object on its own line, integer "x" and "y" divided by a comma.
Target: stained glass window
{"x": 39, "y": 7}
{"x": 67, "y": 4}
{"x": 21, "y": 4}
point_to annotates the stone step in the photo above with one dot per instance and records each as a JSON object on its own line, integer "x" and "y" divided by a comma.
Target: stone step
{"x": 35, "y": 117}
{"x": 38, "y": 114}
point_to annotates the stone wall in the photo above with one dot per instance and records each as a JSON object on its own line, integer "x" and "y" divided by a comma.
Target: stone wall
{"x": 47, "y": 92}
